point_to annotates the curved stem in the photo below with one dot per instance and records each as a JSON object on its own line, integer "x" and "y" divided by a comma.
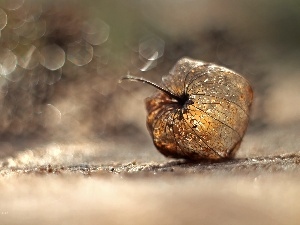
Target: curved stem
{"x": 140, "y": 79}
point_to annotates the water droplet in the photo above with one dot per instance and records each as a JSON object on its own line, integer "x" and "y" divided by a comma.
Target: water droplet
{"x": 80, "y": 53}
{"x": 34, "y": 10}
{"x": 31, "y": 30}
{"x": 3, "y": 86}
{"x": 16, "y": 18}
{"x": 52, "y": 57}
{"x": 8, "y": 61}
{"x": 13, "y": 4}
{"x": 96, "y": 32}
{"x": 54, "y": 76}
{"x": 28, "y": 56}
{"x": 3, "y": 19}
{"x": 151, "y": 47}
{"x": 51, "y": 116}
{"x": 16, "y": 75}
{"x": 9, "y": 39}
{"x": 150, "y": 64}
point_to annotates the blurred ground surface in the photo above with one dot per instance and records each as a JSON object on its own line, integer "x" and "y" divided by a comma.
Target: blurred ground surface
{"x": 88, "y": 159}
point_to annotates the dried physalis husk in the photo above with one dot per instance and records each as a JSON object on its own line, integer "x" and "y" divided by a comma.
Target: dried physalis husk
{"x": 200, "y": 111}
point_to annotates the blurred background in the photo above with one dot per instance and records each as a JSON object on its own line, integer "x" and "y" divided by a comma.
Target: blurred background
{"x": 68, "y": 128}
{"x": 60, "y": 62}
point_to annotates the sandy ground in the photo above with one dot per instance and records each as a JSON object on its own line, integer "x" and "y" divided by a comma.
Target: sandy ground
{"x": 97, "y": 183}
